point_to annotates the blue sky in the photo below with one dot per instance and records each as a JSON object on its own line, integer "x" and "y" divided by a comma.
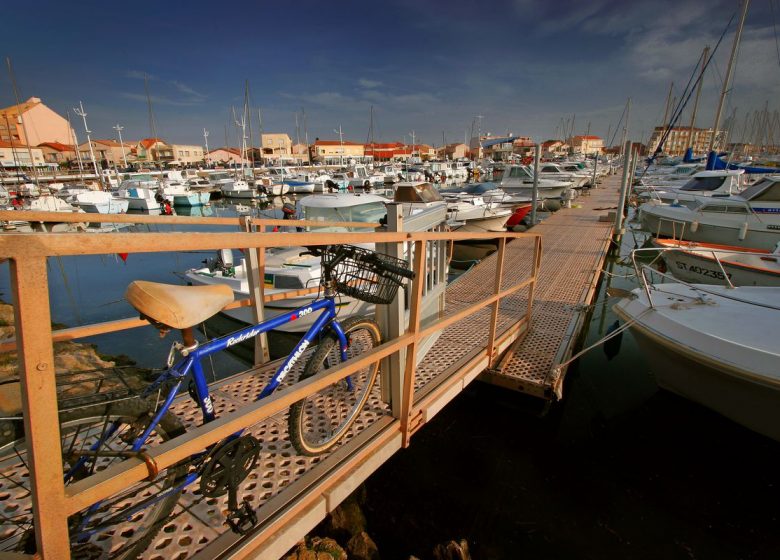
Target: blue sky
{"x": 425, "y": 66}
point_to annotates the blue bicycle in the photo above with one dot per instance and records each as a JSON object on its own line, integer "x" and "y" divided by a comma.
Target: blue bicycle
{"x": 113, "y": 423}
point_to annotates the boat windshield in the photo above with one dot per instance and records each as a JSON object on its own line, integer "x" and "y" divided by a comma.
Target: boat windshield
{"x": 519, "y": 172}
{"x": 219, "y": 176}
{"x": 767, "y": 190}
{"x": 369, "y": 212}
{"x": 703, "y": 184}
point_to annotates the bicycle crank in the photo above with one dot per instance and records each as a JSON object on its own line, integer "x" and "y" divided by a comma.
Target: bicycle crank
{"x": 228, "y": 465}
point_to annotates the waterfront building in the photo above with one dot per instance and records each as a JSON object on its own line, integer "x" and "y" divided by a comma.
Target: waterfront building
{"x": 300, "y": 154}
{"x": 152, "y": 151}
{"x": 679, "y": 140}
{"x": 337, "y": 152}
{"x": 57, "y": 153}
{"x": 108, "y": 153}
{"x": 42, "y": 124}
{"x": 277, "y": 147}
{"x": 227, "y": 156}
{"x": 385, "y": 151}
{"x": 187, "y": 154}
{"x": 17, "y": 156}
{"x": 454, "y": 151}
{"x": 587, "y": 144}
{"x": 554, "y": 148}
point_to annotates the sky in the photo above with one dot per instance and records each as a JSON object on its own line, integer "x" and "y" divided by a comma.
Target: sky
{"x": 427, "y": 67}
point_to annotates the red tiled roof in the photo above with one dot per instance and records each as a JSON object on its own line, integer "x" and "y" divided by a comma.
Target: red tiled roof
{"x": 57, "y": 146}
{"x": 551, "y": 142}
{"x": 386, "y": 146}
{"x": 585, "y": 137}
{"x": 234, "y": 151}
{"x": 149, "y": 142}
{"x": 336, "y": 143}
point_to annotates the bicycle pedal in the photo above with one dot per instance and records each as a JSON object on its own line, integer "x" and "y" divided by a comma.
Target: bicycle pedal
{"x": 242, "y": 519}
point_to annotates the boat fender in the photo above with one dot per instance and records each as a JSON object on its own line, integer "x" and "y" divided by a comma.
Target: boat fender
{"x": 694, "y": 226}
{"x": 612, "y": 345}
{"x": 743, "y": 231}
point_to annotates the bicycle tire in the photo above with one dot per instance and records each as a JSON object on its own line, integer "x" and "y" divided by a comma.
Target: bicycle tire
{"x": 312, "y": 428}
{"x": 108, "y": 539}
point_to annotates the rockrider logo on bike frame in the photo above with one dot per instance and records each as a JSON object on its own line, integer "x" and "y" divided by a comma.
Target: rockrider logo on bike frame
{"x": 294, "y": 358}
{"x": 242, "y": 337}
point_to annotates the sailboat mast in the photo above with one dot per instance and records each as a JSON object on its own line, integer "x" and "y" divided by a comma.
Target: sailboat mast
{"x": 76, "y": 147}
{"x": 668, "y": 104}
{"x": 24, "y": 125}
{"x": 698, "y": 93}
{"x": 729, "y": 70}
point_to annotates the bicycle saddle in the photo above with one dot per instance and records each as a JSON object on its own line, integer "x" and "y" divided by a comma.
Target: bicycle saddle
{"x": 178, "y": 307}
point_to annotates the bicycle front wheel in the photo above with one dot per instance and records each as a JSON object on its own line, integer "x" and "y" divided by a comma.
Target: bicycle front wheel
{"x": 317, "y": 422}
{"x": 119, "y": 527}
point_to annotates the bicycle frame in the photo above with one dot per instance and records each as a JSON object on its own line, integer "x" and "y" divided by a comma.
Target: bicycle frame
{"x": 192, "y": 364}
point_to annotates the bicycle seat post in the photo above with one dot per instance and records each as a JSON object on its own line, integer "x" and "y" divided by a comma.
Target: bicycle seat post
{"x": 188, "y": 337}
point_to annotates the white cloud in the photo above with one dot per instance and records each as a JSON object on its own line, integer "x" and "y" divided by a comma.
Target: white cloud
{"x": 369, "y": 84}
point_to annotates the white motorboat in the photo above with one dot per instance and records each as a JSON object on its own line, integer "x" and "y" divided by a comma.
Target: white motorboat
{"x": 555, "y": 172}
{"x": 180, "y": 194}
{"x": 139, "y": 196}
{"x": 200, "y": 184}
{"x": 750, "y": 219}
{"x": 672, "y": 177}
{"x": 702, "y": 185}
{"x": 708, "y": 263}
{"x": 100, "y": 202}
{"x": 519, "y": 180}
{"x": 286, "y": 270}
{"x": 237, "y": 188}
{"x": 714, "y": 345}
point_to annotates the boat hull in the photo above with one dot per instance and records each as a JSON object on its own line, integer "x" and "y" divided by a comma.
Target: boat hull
{"x": 744, "y": 231}
{"x": 753, "y": 405}
{"x": 192, "y": 199}
{"x": 702, "y": 268}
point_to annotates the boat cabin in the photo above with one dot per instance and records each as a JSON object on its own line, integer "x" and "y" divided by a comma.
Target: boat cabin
{"x": 343, "y": 207}
{"x": 726, "y": 182}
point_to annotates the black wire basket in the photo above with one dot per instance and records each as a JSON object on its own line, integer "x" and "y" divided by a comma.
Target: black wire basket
{"x": 363, "y": 274}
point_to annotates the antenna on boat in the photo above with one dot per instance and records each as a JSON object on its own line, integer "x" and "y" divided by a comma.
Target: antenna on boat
{"x": 81, "y": 113}
{"x": 76, "y": 147}
{"x": 207, "y": 157}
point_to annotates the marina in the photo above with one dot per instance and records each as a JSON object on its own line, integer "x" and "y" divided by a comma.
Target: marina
{"x": 391, "y": 300}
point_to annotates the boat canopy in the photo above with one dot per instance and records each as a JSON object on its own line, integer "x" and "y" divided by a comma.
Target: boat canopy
{"x": 416, "y": 192}
{"x": 766, "y": 190}
{"x": 343, "y": 207}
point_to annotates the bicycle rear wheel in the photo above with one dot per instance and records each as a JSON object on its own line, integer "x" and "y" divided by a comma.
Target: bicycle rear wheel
{"x": 111, "y": 530}
{"x": 317, "y": 422}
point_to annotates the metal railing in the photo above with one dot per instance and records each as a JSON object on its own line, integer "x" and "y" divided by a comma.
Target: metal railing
{"x": 716, "y": 254}
{"x": 53, "y": 502}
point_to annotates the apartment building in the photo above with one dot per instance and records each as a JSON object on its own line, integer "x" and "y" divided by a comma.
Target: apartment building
{"x": 41, "y": 123}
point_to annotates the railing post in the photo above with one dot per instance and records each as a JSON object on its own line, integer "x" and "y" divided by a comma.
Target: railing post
{"x": 491, "y": 350}
{"x": 255, "y": 275}
{"x": 32, "y": 317}
{"x": 391, "y": 319}
{"x": 411, "y": 353}
{"x": 595, "y": 167}
{"x": 534, "y": 274}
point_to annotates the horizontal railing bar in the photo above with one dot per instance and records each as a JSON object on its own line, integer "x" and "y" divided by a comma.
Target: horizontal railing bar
{"x": 94, "y": 329}
{"x": 120, "y": 476}
{"x": 76, "y": 217}
{"x": 62, "y": 244}
{"x": 445, "y": 322}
